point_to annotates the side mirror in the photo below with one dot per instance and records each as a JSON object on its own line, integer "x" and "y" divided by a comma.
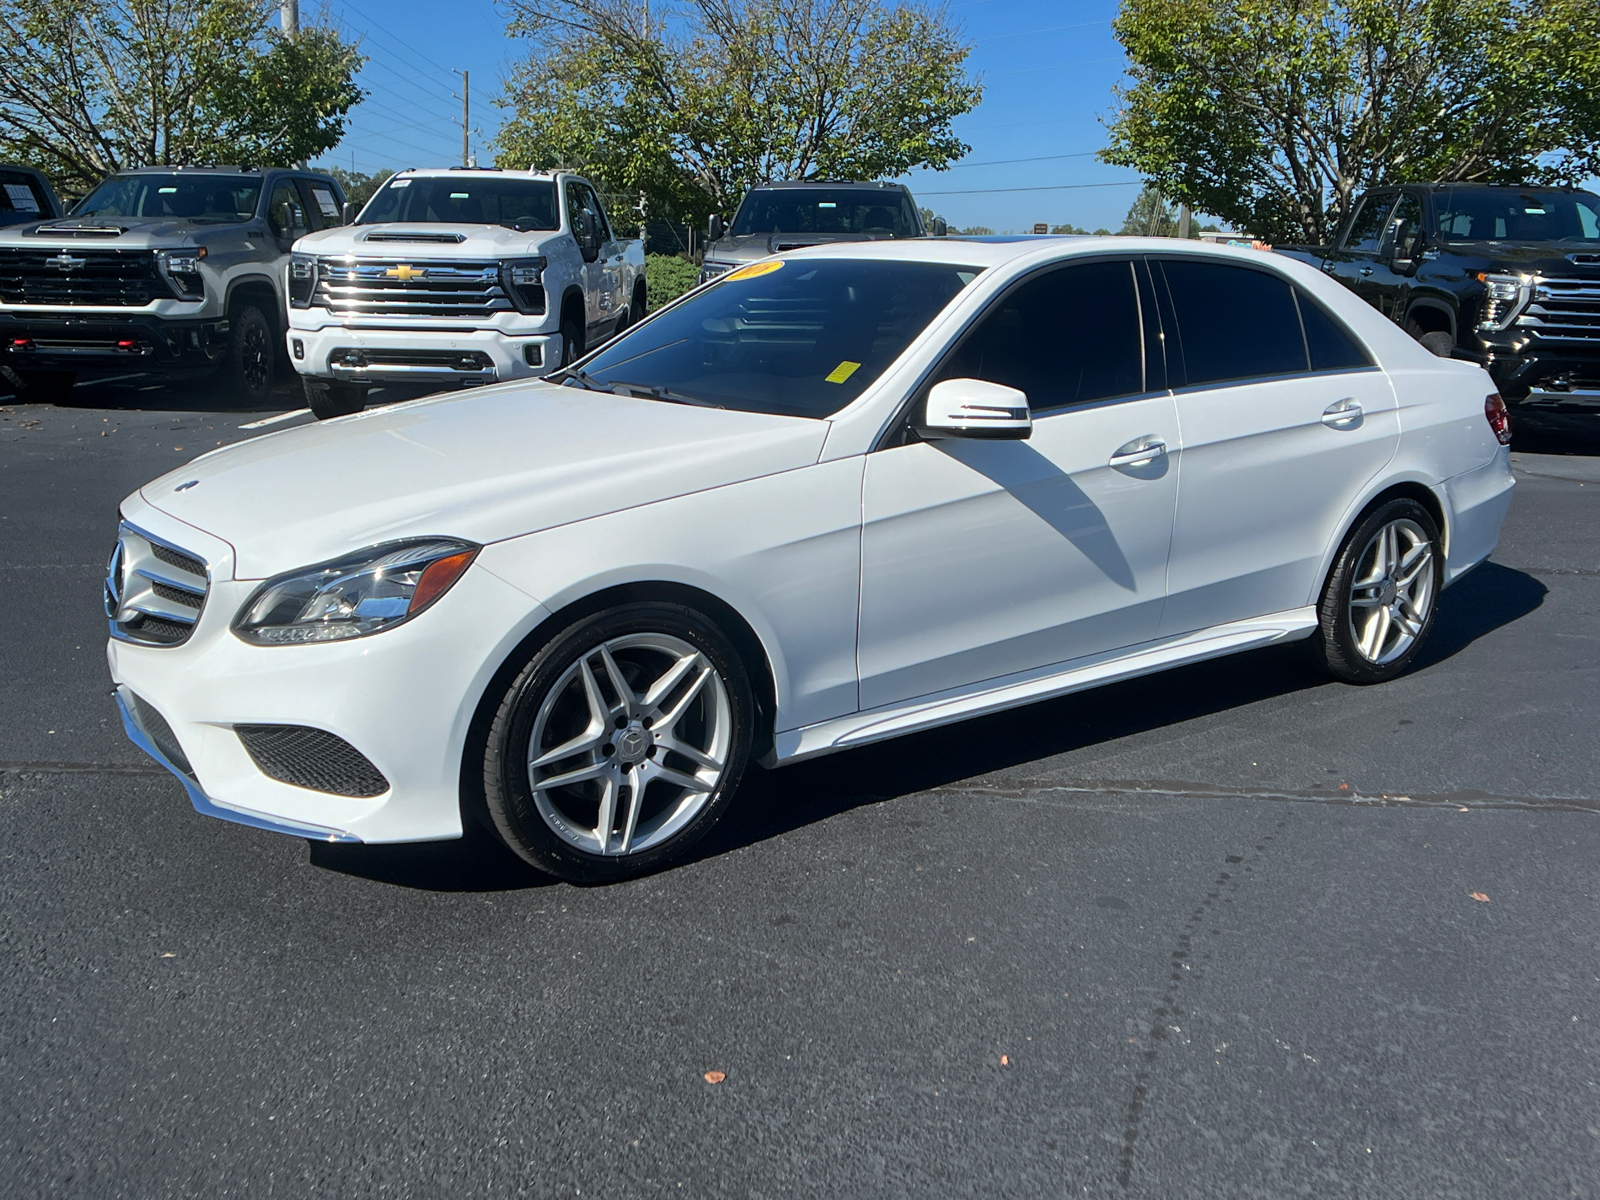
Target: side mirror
{"x": 588, "y": 235}
{"x": 975, "y": 408}
{"x": 940, "y": 227}
{"x": 714, "y": 229}
{"x": 348, "y": 213}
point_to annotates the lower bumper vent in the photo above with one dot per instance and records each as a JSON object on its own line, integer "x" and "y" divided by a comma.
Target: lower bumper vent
{"x": 313, "y": 759}
{"x": 158, "y": 731}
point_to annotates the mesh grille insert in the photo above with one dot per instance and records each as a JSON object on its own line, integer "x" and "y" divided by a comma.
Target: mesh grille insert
{"x": 178, "y": 595}
{"x": 176, "y": 558}
{"x": 311, "y": 758}
{"x": 158, "y": 731}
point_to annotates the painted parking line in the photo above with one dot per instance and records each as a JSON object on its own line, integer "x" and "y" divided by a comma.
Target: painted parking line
{"x": 106, "y": 379}
{"x": 299, "y": 412}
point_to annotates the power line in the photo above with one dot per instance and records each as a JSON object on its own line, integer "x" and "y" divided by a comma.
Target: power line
{"x": 1000, "y": 37}
{"x": 1061, "y": 187}
{"x": 376, "y": 30}
{"x": 1005, "y": 162}
{"x": 1093, "y": 62}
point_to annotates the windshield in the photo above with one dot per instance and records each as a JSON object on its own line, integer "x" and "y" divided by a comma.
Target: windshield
{"x": 793, "y": 337}
{"x": 203, "y": 199}
{"x": 1517, "y": 215}
{"x": 879, "y": 212}
{"x": 521, "y": 204}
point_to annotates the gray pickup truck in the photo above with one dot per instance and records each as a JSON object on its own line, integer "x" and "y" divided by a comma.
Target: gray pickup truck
{"x": 161, "y": 269}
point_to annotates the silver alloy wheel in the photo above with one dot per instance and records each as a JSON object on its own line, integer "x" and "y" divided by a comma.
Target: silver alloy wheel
{"x": 629, "y": 744}
{"x": 1392, "y": 592}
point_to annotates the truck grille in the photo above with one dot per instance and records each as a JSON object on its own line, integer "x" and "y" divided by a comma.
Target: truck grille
{"x": 396, "y": 288}
{"x": 153, "y": 592}
{"x": 80, "y": 275}
{"x": 1563, "y": 310}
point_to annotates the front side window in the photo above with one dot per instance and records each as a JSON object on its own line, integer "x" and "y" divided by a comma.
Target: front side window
{"x": 581, "y": 199}
{"x": 1405, "y": 228}
{"x": 1366, "y": 231}
{"x": 882, "y": 212}
{"x": 1068, "y": 337}
{"x": 200, "y": 199}
{"x": 21, "y": 198}
{"x": 525, "y": 205}
{"x": 1518, "y": 215}
{"x": 1234, "y": 322}
{"x": 285, "y": 212}
{"x": 792, "y": 337}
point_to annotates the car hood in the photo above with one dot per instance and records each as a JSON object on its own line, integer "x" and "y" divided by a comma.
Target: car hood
{"x": 484, "y": 464}
{"x": 762, "y": 245}
{"x": 415, "y": 240}
{"x": 1551, "y": 259}
{"x": 121, "y": 233}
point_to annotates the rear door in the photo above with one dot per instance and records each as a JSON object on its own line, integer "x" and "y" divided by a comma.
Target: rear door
{"x": 983, "y": 558}
{"x": 1284, "y": 418}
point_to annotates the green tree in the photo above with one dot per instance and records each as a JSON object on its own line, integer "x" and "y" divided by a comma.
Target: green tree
{"x": 359, "y": 188}
{"x": 88, "y": 87}
{"x": 1151, "y": 215}
{"x": 975, "y": 231}
{"x": 1274, "y": 114}
{"x": 720, "y": 95}
{"x": 1069, "y": 227}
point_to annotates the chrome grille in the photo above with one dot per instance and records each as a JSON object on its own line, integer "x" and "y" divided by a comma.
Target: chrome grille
{"x": 392, "y": 287}
{"x": 1563, "y": 310}
{"x": 154, "y": 592}
{"x": 80, "y": 275}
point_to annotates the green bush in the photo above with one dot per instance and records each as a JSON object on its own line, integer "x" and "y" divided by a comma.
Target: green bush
{"x": 666, "y": 277}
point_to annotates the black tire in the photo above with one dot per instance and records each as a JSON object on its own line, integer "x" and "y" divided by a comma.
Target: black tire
{"x": 637, "y": 309}
{"x": 251, "y": 359}
{"x": 46, "y": 387}
{"x": 549, "y": 700}
{"x": 1338, "y": 645}
{"x": 327, "y": 400}
{"x": 1436, "y": 342}
{"x": 571, "y": 339}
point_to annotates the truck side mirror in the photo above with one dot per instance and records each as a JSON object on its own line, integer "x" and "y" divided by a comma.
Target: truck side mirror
{"x": 714, "y": 228}
{"x": 348, "y": 213}
{"x": 588, "y": 236}
{"x": 940, "y": 227}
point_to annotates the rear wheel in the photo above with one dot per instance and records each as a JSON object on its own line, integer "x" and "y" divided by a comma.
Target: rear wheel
{"x": 327, "y": 400}
{"x": 620, "y": 744}
{"x": 46, "y": 387}
{"x": 252, "y": 355}
{"x": 1378, "y": 605}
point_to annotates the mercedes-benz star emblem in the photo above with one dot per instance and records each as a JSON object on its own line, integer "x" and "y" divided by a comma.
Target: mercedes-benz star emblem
{"x": 114, "y": 582}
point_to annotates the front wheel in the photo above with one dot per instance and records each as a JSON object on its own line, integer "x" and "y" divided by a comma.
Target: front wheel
{"x": 327, "y": 400}
{"x": 252, "y": 355}
{"x": 620, "y": 744}
{"x": 1378, "y": 605}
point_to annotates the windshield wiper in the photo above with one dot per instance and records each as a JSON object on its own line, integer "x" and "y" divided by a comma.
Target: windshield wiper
{"x": 582, "y": 378}
{"x": 661, "y": 393}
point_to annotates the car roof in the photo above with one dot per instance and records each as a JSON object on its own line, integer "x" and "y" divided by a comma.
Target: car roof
{"x": 997, "y": 251}
{"x": 210, "y": 170}
{"x": 485, "y": 172}
{"x": 833, "y": 185}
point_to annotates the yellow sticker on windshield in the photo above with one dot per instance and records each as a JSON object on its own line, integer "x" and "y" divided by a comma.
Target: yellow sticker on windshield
{"x": 842, "y": 372}
{"x": 755, "y": 270}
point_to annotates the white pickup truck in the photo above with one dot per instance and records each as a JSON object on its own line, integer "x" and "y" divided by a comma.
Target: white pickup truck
{"x": 458, "y": 277}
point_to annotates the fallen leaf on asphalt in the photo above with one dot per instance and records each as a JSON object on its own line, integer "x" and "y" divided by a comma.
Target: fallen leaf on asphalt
{"x": 716, "y": 1076}
{"x": 169, "y": 954}
{"x": 1481, "y": 897}
{"x": 1344, "y": 787}
{"x": 1463, "y": 808}
{"x": 1005, "y": 1060}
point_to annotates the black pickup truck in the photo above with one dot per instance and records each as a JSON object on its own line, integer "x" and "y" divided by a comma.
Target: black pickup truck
{"x": 1505, "y": 276}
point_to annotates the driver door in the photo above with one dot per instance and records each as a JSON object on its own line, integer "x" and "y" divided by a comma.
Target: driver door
{"x": 982, "y": 558}
{"x": 583, "y": 213}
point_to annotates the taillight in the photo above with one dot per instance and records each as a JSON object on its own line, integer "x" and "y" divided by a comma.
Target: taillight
{"x": 1499, "y": 418}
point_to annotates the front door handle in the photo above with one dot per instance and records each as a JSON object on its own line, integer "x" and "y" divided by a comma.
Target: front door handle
{"x": 1329, "y": 266}
{"x": 1343, "y": 414}
{"x": 1140, "y": 452}
{"x": 1366, "y": 271}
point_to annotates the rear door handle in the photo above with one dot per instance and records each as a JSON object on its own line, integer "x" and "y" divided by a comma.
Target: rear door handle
{"x": 1140, "y": 452}
{"x": 1343, "y": 414}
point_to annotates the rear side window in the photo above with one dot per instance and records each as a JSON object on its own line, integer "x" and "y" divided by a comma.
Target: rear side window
{"x": 1330, "y": 347}
{"x": 1234, "y": 322}
{"x": 1065, "y": 338}
{"x": 21, "y": 198}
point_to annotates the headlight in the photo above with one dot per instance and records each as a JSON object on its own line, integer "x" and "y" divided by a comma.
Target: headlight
{"x": 1505, "y": 296}
{"x": 182, "y": 270}
{"x": 368, "y": 592}
{"x": 524, "y": 282}
{"x": 302, "y": 279}
{"x": 710, "y": 270}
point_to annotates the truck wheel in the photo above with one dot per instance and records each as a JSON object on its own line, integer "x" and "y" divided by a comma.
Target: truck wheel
{"x": 327, "y": 400}
{"x": 249, "y": 364}
{"x": 571, "y": 340}
{"x": 1436, "y": 342}
{"x": 636, "y": 310}
{"x": 46, "y": 387}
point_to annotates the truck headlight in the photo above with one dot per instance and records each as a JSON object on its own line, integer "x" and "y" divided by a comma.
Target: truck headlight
{"x": 302, "y": 279}
{"x": 182, "y": 270}
{"x": 524, "y": 282}
{"x": 711, "y": 270}
{"x": 1504, "y": 298}
{"x": 368, "y": 592}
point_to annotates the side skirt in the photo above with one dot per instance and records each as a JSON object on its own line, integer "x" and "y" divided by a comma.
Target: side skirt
{"x": 1045, "y": 683}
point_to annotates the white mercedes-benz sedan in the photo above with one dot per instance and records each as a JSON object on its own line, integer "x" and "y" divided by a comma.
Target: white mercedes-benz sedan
{"x": 824, "y": 500}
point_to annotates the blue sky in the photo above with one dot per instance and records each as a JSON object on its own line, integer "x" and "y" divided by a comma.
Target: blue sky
{"x": 1047, "y": 67}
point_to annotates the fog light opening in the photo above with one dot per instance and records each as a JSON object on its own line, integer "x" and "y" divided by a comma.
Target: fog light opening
{"x": 533, "y": 355}
{"x": 299, "y": 349}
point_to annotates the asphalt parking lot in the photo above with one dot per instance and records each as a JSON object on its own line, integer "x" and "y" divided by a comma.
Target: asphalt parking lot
{"x": 1207, "y": 934}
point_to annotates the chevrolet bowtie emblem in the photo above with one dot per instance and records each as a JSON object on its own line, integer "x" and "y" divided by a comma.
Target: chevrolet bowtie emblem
{"x": 66, "y": 262}
{"x": 405, "y": 272}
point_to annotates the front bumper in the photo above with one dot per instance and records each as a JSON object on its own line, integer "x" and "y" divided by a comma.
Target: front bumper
{"x": 1540, "y": 373}
{"x": 110, "y": 342}
{"x": 445, "y": 357}
{"x": 404, "y": 698}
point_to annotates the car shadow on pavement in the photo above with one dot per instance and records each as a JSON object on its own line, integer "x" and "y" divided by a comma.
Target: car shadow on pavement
{"x": 772, "y": 803}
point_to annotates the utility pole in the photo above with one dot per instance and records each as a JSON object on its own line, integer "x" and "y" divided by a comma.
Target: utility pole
{"x": 1183, "y": 220}
{"x": 289, "y": 15}
{"x": 466, "y": 93}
